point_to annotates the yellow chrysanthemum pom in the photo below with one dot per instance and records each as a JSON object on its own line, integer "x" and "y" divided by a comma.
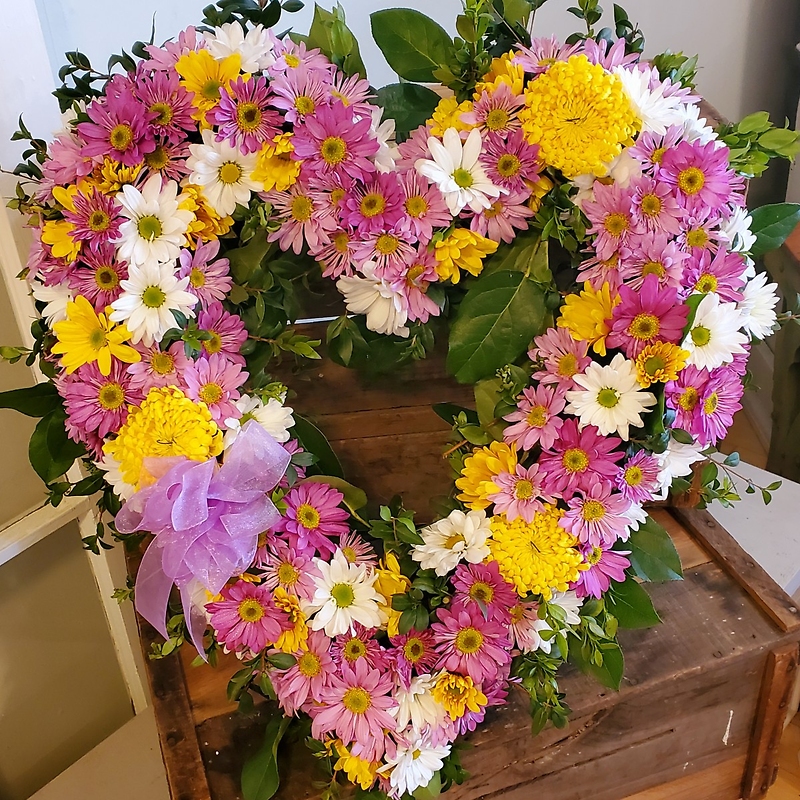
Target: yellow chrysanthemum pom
{"x": 167, "y": 423}
{"x": 458, "y": 694}
{"x": 358, "y": 770}
{"x": 480, "y": 469}
{"x": 204, "y": 76}
{"x": 503, "y": 70}
{"x": 111, "y": 176}
{"x": 296, "y": 637}
{"x": 58, "y": 234}
{"x": 587, "y": 315}
{"x": 660, "y": 362}
{"x": 579, "y": 115}
{"x": 537, "y": 556}
{"x": 462, "y": 249}
{"x": 276, "y": 168}
{"x": 85, "y": 336}
{"x": 207, "y": 224}
{"x": 391, "y": 581}
{"x": 447, "y": 114}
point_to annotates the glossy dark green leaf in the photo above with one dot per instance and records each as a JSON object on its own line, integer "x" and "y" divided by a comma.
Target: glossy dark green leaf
{"x": 653, "y": 555}
{"x": 329, "y": 33}
{"x": 33, "y": 401}
{"x": 631, "y": 605}
{"x": 772, "y": 225}
{"x": 408, "y": 104}
{"x": 354, "y": 498}
{"x": 50, "y": 451}
{"x": 528, "y": 253}
{"x": 314, "y": 440}
{"x": 610, "y": 672}
{"x": 260, "y": 776}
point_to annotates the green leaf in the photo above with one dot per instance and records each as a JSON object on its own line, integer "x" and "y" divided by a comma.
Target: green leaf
{"x": 772, "y": 225}
{"x": 260, "y": 778}
{"x": 33, "y": 401}
{"x": 610, "y": 672}
{"x": 329, "y": 33}
{"x": 408, "y": 104}
{"x": 496, "y": 322}
{"x": 433, "y": 789}
{"x": 313, "y": 440}
{"x": 282, "y": 660}
{"x": 354, "y": 498}
{"x": 631, "y": 605}
{"x": 50, "y": 451}
{"x": 413, "y": 45}
{"x": 528, "y": 253}
{"x": 653, "y": 556}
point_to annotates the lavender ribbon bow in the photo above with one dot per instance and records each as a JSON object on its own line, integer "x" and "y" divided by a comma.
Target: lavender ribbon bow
{"x": 206, "y": 520}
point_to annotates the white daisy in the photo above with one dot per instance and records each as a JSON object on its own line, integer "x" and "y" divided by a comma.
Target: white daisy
{"x": 714, "y": 337}
{"x": 759, "y": 299}
{"x": 255, "y": 48}
{"x": 223, "y": 172}
{"x": 695, "y": 128}
{"x": 526, "y": 628}
{"x": 155, "y": 228}
{"x": 384, "y": 132}
{"x": 676, "y": 462}
{"x": 570, "y": 603}
{"x": 55, "y": 299}
{"x": 417, "y": 706}
{"x": 274, "y": 417}
{"x": 455, "y": 169}
{"x": 150, "y": 295}
{"x": 735, "y": 230}
{"x": 113, "y": 476}
{"x": 655, "y": 111}
{"x": 458, "y": 537}
{"x": 386, "y": 310}
{"x": 636, "y": 516}
{"x": 344, "y": 595}
{"x": 414, "y": 764}
{"x": 611, "y": 398}
{"x": 621, "y": 170}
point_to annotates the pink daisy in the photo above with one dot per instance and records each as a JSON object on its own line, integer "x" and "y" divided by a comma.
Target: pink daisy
{"x": 655, "y": 210}
{"x": 520, "y": 494}
{"x": 605, "y": 565}
{"x": 526, "y": 627}
{"x": 159, "y": 368}
{"x": 654, "y": 255}
{"x": 596, "y": 516}
{"x": 650, "y": 147}
{"x": 333, "y": 141}
{"x": 244, "y": 117}
{"x": 376, "y": 205}
{"x": 578, "y": 458}
{"x": 718, "y": 405}
{"x": 314, "y": 514}
{"x": 699, "y": 171}
{"x": 481, "y": 586}
{"x": 246, "y": 618}
{"x": 496, "y": 111}
{"x": 611, "y": 215}
{"x": 353, "y": 92}
{"x": 722, "y": 273}
{"x": 637, "y": 479}
{"x": 413, "y": 281}
{"x": 166, "y": 56}
{"x": 424, "y": 206}
{"x": 608, "y": 55}
{"x": 328, "y": 191}
{"x": 684, "y": 397}
{"x": 98, "y": 276}
{"x": 561, "y": 357}
{"x": 413, "y": 653}
{"x": 359, "y": 644}
{"x": 356, "y": 706}
{"x": 470, "y": 644}
{"x": 700, "y": 228}
{"x": 215, "y": 381}
{"x": 335, "y": 256}
{"x": 599, "y": 271}
{"x": 413, "y": 148}
{"x": 357, "y": 550}
{"x": 293, "y": 571}
{"x": 293, "y": 56}
{"x": 65, "y": 162}
{"x": 301, "y": 219}
{"x": 301, "y": 686}
{"x": 652, "y": 314}
{"x": 510, "y": 161}
{"x": 392, "y": 250}
{"x": 228, "y": 332}
{"x": 536, "y": 420}
{"x": 209, "y": 280}
{"x": 96, "y": 218}
{"x": 168, "y": 159}
{"x": 300, "y": 92}
{"x": 168, "y": 103}
{"x": 506, "y": 215}
{"x": 542, "y": 53}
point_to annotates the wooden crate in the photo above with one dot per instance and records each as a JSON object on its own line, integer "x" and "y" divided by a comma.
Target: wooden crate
{"x": 705, "y": 694}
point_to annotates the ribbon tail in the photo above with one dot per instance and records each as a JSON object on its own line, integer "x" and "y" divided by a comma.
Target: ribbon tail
{"x": 195, "y": 620}
{"x": 153, "y": 586}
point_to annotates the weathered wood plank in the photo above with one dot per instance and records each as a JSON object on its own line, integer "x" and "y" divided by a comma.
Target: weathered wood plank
{"x": 720, "y": 782}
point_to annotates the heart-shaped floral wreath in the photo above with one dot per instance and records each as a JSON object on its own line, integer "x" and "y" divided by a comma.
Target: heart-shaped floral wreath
{"x": 564, "y": 205}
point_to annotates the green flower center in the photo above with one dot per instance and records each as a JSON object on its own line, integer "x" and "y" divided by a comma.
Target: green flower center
{"x": 197, "y": 278}
{"x": 153, "y": 297}
{"x": 158, "y": 159}
{"x": 343, "y": 595}
{"x": 463, "y": 178}
{"x": 149, "y": 227}
{"x": 210, "y": 89}
{"x": 654, "y": 364}
{"x": 608, "y": 398}
{"x": 701, "y": 335}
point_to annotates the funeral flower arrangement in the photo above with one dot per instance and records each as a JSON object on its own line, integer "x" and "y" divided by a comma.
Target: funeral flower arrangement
{"x": 563, "y": 212}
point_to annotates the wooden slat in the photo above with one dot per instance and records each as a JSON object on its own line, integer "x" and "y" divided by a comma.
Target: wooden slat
{"x": 767, "y": 595}
{"x": 773, "y": 708}
{"x": 720, "y": 782}
{"x": 690, "y": 552}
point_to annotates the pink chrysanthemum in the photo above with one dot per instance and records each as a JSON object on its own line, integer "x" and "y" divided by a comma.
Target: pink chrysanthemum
{"x": 355, "y": 706}
{"x": 561, "y": 356}
{"x": 168, "y": 160}
{"x": 228, "y": 332}
{"x": 359, "y": 644}
{"x": 244, "y": 117}
{"x": 536, "y": 420}
{"x": 470, "y": 644}
{"x": 216, "y": 380}
{"x": 654, "y": 255}
{"x": 684, "y": 397}
{"x": 718, "y": 405}
{"x": 357, "y": 550}
{"x": 412, "y": 282}
{"x": 413, "y": 653}
{"x": 510, "y": 161}
{"x": 96, "y": 218}
{"x": 424, "y": 206}
{"x": 246, "y": 618}
{"x": 159, "y": 368}
{"x": 608, "y": 55}
{"x": 293, "y": 56}
{"x": 637, "y": 479}
{"x": 652, "y": 314}
{"x": 392, "y": 250}
{"x": 655, "y": 209}
{"x": 699, "y": 171}
{"x": 336, "y": 256}
{"x": 65, "y": 163}
{"x": 328, "y": 191}
{"x": 314, "y": 514}
{"x": 543, "y": 53}
{"x": 376, "y": 205}
{"x": 209, "y": 280}
{"x": 650, "y": 147}
{"x": 482, "y": 587}
{"x": 98, "y": 276}
{"x": 119, "y": 126}
{"x": 301, "y": 219}
{"x": 169, "y": 104}
{"x": 334, "y": 141}
{"x": 300, "y": 92}
{"x": 293, "y": 571}
{"x": 578, "y": 458}
{"x": 504, "y": 217}
{"x": 166, "y": 56}
{"x": 520, "y": 494}
{"x": 301, "y": 686}
{"x": 596, "y": 516}
{"x": 605, "y": 565}
{"x": 353, "y": 92}
{"x": 700, "y": 228}
{"x": 611, "y": 215}
{"x": 723, "y": 273}
{"x": 598, "y": 271}
{"x": 413, "y": 148}
{"x": 496, "y": 111}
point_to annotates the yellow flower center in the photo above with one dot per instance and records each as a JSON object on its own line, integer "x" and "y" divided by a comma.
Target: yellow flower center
{"x": 697, "y": 238}
{"x": 121, "y": 137}
{"x": 304, "y": 104}
{"x": 575, "y": 460}
{"x": 593, "y": 510}
{"x": 701, "y": 335}
{"x": 616, "y": 224}
{"x": 608, "y": 398}
{"x": 657, "y": 155}
{"x": 537, "y": 417}
{"x": 468, "y": 640}
{"x": 453, "y": 540}
{"x": 308, "y": 516}
{"x": 354, "y": 649}
{"x": 98, "y": 220}
{"x": 211, "y": 393}
{"x": 356, "y": 700}
{"x": 508, "y": 165}
{"x": 301, "y": 208}
{"x": 414, "y": 274}
{"x": 497, "y": 119}
{"x": 372, "y": 204}
{"x": 706, "y": 283}
{"x": 594, "y": 557}
{"x": 164, "y": 112}
{"x": 157, "y": 159}
{"x": 214, "y": 344}
{"x": 494, "y": 210}
{"x": 162, "y": 363}
{"x": 197, "y": 278}
{"x": 651, "y": 205}
{"x": 250, "y": 610}
{"x": 517, "y": 614}
{"x": 248, "y": 117}
{"x": 644, "y": 326}
{"x": 333, "y": 150}
{"x": 653, "y": 268}
{"x": 689, "y": 399}
{"x": 523, "y": 489}
{"x": 350, "y": 554}
{"x": 149, "y": 227}
{"x": 229, "y": 173}
{"x": 309, "y": 664}
{"x": 111, "y": 396}
{"x": 633, "y": 476}
{"x": 291, "y": 60}
{"x": 106, "y": 278}
{"x": 341, "y": 241}
{"x": 337, "y": 195}
{"x": 343, "y": 595}
{"x": 568, "y": 365}
{"x": 414, "y": 649}
{"x": 210, "y": 89}
{"x": 710, "y": 404}
{"x": 386, "y": 244}
{"x": 482, "y": 591}
{"x": 463, "y": 178}
{"x": 287, "y": 574}
{"x": 416, "y": 206}
{"x": 691, "y": 180}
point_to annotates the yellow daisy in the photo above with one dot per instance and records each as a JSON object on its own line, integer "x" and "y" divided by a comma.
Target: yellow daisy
{"x": 458, "y": 694}
{"x": 587, "y": 315}
{"x": 660, "y": 362}
{"x": 295, "y": 638}
{"x": 358, "y": 770}
{"x": 462, "y": 249}
{"x": 503, "y": 70}
{"x": 111, "y": 176}
{"x": 207, "y": 224}
{"x": 204, "y": 76}
{"x": 480, "y": 468}
{"x": 276, "y": 168}
{"x": 390, "y": 582}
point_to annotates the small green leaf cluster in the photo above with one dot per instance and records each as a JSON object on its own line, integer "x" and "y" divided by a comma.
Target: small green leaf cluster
{"x": 248, "y": 12}
{"x": 591, "y": 12}
{"x": 755, "y": 140}
{"x": 677, "y": 67}
{"x": 330, "y": 34}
